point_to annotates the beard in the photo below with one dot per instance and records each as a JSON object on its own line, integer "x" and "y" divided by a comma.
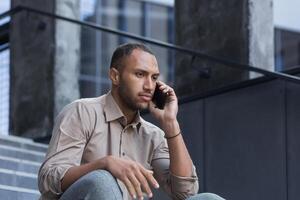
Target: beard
{"x": 128, "y": 98}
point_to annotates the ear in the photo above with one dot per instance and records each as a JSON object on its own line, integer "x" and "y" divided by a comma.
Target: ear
{"x": 114, "y": 76}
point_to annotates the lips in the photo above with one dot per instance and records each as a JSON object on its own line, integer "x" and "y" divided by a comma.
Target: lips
{"x": 145, "y": 96}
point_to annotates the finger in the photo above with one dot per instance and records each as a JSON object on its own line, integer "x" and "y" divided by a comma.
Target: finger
{"x": 144, "y": 183}
{"x": 137, "y": 185}
{"x": 150, "y": 171}
{"x": 171, "y": 91}
{"x": 166, "y": 90}
{"x": 160, "y": 83}
{"x": 162, "y": 87}
{"x": 130, "y": 187}
{"x": 149, "y": 176}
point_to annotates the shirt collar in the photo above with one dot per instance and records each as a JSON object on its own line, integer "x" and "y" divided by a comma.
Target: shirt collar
{"x": 113, "y": 112}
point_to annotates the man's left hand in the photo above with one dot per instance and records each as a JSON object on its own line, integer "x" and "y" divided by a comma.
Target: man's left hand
{"x": 169, "y": 113}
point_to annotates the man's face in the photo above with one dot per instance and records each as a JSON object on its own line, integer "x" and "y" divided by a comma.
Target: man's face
{"x": 138, "y": 78}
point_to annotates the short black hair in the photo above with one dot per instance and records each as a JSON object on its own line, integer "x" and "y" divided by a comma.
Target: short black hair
{"x": 125, "y": 50}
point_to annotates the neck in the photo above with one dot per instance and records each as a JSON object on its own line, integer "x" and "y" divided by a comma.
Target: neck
{"x": 129, "y": 113}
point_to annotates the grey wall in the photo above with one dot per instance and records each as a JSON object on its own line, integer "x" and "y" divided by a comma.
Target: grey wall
{"x": 237, "y": 30}
{"x": 31, "y": 86}
{"x": 293, "y": 140}
{"x": 44, "y": 65}
{"x": 245, "y": 143}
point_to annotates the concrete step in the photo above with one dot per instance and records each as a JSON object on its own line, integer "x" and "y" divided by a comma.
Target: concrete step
{"x": 23, "y": 143}
{"x": 19, "y": 164}
{"x": 20, "y": 160}
{"x": 18, "y": 193}
{"x": 19, "y": 153}
{"x": 18, "y": 179}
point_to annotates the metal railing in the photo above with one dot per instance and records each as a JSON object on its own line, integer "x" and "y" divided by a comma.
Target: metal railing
{"x": 228, "y": 63}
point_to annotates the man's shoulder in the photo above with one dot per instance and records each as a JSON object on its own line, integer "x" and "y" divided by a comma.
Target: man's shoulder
{"x": 150, "y": 128}
{"x": 85, "y": 104}
{"x": 90, "y": 101}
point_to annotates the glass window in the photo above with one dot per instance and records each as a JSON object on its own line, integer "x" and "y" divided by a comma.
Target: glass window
{"x": 4, "y": 76}
{"x": 287, "y": 49}
{"x": 4, "y": 92}
{"x": 138, "y": 17}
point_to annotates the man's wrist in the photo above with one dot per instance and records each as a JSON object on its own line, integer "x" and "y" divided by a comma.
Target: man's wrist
{"x": 174, "y": 136}
{"x": 171, "y": 128}
{"x": 103, "y": 163}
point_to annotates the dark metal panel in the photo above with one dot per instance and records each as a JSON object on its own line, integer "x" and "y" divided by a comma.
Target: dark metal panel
{"x": 245, "y": 143}
{"x": 191, "y": 121}
{"x": 293, "y": 140}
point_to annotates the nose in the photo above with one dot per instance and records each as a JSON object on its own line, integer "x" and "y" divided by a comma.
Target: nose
{"x": 149, "y": 84}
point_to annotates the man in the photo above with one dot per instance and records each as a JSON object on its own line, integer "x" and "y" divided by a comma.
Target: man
{"x": 102, "y": 149}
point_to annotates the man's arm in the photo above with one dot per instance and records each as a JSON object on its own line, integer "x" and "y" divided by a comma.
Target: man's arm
{"x": 176, "y": 174}
{"x": 168, "y": 121}
{"x": 177, "y": 150}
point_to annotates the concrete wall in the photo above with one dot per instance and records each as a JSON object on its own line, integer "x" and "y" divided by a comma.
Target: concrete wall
{"x": 67, "y": 55}
{"x": 32, "y": 59}
{"x": 236, "y": 30}
{"x": 44, "y": 59}
{"x": 245, "y": 143}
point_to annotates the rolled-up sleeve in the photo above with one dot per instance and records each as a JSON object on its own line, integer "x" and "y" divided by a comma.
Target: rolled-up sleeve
{"x": 65, "y": 150}
{"x": 176, "y": 187}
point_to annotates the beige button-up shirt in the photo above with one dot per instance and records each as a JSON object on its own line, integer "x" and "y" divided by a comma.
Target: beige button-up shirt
{"x": 89, "y": 129}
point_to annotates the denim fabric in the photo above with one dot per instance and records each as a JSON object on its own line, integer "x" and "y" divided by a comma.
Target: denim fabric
{"x": 99, "y": 184}
{"x": 206, "y": 196}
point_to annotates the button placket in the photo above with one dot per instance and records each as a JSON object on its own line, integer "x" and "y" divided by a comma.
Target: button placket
{"x": 121, "y": 152}
{"x": 121, "y": 140}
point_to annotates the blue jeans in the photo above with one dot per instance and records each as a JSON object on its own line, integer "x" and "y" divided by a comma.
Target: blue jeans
{"x": 101, "y": 185}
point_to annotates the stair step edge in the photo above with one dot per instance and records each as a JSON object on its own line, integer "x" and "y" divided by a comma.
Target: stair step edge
{"x": 22, "y": 140}
{"x": 18, "y": 189}
{"x": 21, "y": 161}
{"x": 22, "y": 150}
{"x": 18, "y": 173}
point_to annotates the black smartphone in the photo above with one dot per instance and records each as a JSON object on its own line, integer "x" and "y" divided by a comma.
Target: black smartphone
{"x": 159, "y": 98}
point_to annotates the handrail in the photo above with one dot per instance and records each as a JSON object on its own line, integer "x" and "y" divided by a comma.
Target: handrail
{"x": 230, "y": 63}
{"x": 11, "y": 11}
{"x": 4, "y": 47}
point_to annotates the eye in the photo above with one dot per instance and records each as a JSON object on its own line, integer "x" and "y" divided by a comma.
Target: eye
{"x": 139, "y": 74}
{"x": 155, "y": 78}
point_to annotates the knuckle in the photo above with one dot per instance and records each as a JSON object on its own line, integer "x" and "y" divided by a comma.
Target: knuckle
{"x": 126, "y": 171}
{"x": 146, "y": 187}
{"x": 122, "y": 177}
{"x": 134, "y": 166}
{"x": 137, "y": 185}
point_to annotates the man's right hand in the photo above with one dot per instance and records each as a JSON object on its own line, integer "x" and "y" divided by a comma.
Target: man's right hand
{"x": 135, "y": 177}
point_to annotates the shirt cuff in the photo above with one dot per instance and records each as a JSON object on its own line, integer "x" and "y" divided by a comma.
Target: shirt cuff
{"x": 184, "y": 186}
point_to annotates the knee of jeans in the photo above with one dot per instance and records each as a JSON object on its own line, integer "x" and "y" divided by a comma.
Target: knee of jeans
{"x": 99, "y": 177}
{"x": 206, "y": 196}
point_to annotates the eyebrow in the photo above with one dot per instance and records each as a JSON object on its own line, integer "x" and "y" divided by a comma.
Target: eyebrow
{"x": 146, "y": 72}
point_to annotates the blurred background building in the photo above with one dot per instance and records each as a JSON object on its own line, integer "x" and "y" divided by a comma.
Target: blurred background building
{"x": 153, "y": 19}
{"x": 234, "y": 65}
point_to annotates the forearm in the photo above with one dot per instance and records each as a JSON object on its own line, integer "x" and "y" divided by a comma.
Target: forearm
{"x": 74, "y": 173}
{"x": 178, "y": 151}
